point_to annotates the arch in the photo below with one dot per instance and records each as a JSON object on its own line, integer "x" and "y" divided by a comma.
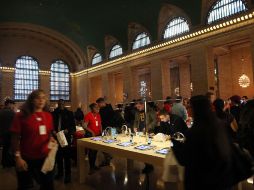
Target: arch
{"x": 167, "y": 13}
{"x": 134, "y": 29}
{"x": 176, "y": 27}
{"x": 115, "y": 51}
{"x": 141, "y": 40}
{"x": 225, "y": 8}
{"x": 26, "y": 77}
{"x": 64, "y": 46}
{"x": 97, "y": 58}
{"x": 59, "y": 81}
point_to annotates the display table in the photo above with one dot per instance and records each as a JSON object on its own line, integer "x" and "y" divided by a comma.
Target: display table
{"x": 130, "y": 153}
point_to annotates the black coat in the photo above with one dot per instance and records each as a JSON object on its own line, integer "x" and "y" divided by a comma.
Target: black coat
{"x": 206, "y": 155}
{"x": 68, "y": 122}
{"x": 176, "y": 124}
{"x": 107, "y": 116}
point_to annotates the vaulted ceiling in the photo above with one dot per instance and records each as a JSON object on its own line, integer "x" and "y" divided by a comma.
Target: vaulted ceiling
{"x": 87, "y": 22}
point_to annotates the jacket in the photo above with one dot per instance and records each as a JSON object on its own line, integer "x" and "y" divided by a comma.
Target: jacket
{"x": 67, "y": 122}
{"x": 151, "y": 121}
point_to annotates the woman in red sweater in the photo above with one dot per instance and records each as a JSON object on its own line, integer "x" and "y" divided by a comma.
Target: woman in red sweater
{"x": 31, "y": 133}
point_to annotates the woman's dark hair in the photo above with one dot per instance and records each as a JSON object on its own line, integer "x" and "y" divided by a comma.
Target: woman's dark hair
{"x": 28, "y": 107}
{"x": 219, "y": 108}
{"x": 201, "y": 108}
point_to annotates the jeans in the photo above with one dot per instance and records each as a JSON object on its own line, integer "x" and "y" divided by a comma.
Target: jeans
{"x": 25, "y": 178}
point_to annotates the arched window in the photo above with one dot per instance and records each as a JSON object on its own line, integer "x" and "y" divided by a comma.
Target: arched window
{"x": 59, "y": 81}
{"x": 225, "y": 8}
{"x": 97, "y": 58}
{"x": 26, "y": 77}
{"x": 141, "y": 41}
{"x": 175, "y": 27}
{"x": 116, "y": 51}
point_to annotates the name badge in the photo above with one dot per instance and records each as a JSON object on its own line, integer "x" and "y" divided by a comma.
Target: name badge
{"x": 42, "y": 130}
{"x": 96, "y": 123}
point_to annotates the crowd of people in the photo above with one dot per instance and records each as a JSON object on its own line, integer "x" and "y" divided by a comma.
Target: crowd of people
{"x": 211, "y": 126}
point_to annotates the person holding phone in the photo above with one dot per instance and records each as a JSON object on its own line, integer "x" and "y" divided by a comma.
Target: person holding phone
{"x": 92, "y": 126}
{"x": 31, "y": 133}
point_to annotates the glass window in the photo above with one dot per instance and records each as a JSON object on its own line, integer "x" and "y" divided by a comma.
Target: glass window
{"x": 141, "y": 41}
{"x": 116, "y": 51}
{"x": 175, "y": 27}
{"x": 26, "y": 77}
{"x": 97, "y": 58}
{"x": 59, "y": 81}
{"x": 225, "y": 8}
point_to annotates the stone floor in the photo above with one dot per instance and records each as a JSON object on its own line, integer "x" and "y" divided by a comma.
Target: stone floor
{"x": 114, "y": 177}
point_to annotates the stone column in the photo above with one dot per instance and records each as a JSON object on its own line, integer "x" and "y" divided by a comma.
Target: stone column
{"x": 128, "y": 83}
{"x": 160, "y": 79}
{"x": 185, "y": 83}
{"x": 202, "y": 70}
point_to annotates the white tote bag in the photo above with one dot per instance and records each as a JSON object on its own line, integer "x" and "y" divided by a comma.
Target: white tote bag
{"x": 61, "y": 139}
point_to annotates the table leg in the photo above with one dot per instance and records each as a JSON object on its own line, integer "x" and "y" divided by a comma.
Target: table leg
{"x": 130, "y": 164}
{"x": 82, "y": 166}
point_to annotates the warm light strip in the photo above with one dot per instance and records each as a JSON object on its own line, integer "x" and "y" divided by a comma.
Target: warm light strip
{"x": 194, "y": 36}
{"x": 208, "y": 31}
{"x": 12, "y": 69}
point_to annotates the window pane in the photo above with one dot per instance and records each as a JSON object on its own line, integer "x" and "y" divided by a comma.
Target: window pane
{"x": 59, "y": 80}
{"x": 225, "y": 8}
{"x": 26, "y": 77}
{"x": 97, "y": 58}
{"x": 176, "y": 27}
{"x": 116, "y": 51}
{"x": 141, "y": 41}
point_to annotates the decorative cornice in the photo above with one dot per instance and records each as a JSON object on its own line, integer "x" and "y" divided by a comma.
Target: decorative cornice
{"x": 206, "y": 32}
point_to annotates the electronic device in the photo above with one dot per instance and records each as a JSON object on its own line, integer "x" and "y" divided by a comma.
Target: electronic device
{"x": 163, "y": 151}
{"x": 145, "y": 147}
{"x": 96, "y": 138}
{"x": 109, "y": 141}
{"x": 125, "y": 144}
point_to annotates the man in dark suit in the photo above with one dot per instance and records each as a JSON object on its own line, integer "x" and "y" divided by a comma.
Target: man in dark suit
{"x": 170, "y": 124}
{"x": 64, "y": 121}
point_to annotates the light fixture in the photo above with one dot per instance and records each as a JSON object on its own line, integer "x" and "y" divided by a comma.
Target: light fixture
{"x": 244, "y": 80}
{"x": 177, "y": 91}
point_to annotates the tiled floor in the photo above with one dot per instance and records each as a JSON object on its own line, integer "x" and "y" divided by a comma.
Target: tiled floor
{"x": 114, "y": 177}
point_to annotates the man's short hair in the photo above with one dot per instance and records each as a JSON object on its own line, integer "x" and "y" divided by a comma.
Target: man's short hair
{"x": 92, "y": 105}
{"x": 100, "y": 100}
{"x": 8, "y": 101}
{"x": 163, "y": 112}
{"x": 139, "y": 101}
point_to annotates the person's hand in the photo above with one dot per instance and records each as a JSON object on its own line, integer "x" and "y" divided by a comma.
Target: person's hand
{"x": 53, "y": 140}
{"x": 135, "y": 129}
{"x": 21, "y": 164}
{"x": 93, "y": 134}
